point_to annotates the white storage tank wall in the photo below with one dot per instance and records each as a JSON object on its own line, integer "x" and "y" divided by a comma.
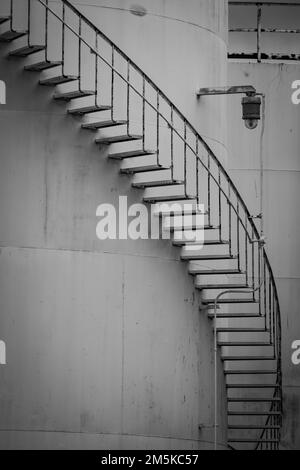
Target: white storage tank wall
{"x": 106, "y": 347}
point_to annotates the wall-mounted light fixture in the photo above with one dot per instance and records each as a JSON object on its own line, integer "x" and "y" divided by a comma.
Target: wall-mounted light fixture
{"x": 251, "y": 103}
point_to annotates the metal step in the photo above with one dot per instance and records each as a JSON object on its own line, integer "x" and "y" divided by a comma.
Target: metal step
{"x": 148, "y": 163}
{"x": 154, "y": 179}
{"x": 190, "y": 241}
{"x": 88, "y": 109}
{"x": 253, "y": 426}
{"x": 166, "y": 193}
{"x": 27, "y": 50}
{"x": 229, "y": 301}
{"x": 158, "y": 184}
{"x": 152, "y": 200}
{"x": 195, "y": 270}
{"x": 72, "y": 95}
{"x": 250, "y": 372}
{"x": 179, "y": 209}
{"x": 118, "y": 138}
{"x": 235, "y": 315}
{"x": 254, "y": 413}
{"x": 132, "y": 153}
{"x": 194, "y": 257}
{"x": 229, "y": 329}
{"x": 246, "y": 343}
{"x": 193, "y": 242}
{"x": 58, "y": 80}
{"x": 195, "y": 239}
{"x": 248, "y": 358}
{"x": 9, "y": 36}
{"x": 103, "y": 124}
{"x": 205, "y": 242}
{"x": 3, "y": 19}
{"x": 137, "y": 169}
{"x": 43, "y": 65}
{"x": 253, "y": 400}
{"x": 221, "y": 286}
{"x": 251, "y": 386}
{"x": 191, "y": 227}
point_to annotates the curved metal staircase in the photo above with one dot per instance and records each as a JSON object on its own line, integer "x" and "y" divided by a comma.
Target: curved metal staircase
{"x": 171, "y": 163}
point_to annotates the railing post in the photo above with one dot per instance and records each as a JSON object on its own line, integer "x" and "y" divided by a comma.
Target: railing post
{"x": 157, "y": 128}
{"x": 46, "y": 29}
{"x": 63, "y": 37}
{"x": 79, "y": 52}
{"x": 172, "y": 143}
{"x": 144, "y": 113}
{"x": 112, "y": 81}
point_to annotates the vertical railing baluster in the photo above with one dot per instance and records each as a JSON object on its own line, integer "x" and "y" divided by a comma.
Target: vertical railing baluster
{"x": 46, "y": 30}
{"x": 260, "y": 279}
{"x": 185, "y": 159}
{"x": 246, "y": 248}
{"x": 128, "y": 97}
{"x": 29, "y": 22}
{"x": 209, "y": 189}
{"x": 197, "y": 172}
{"x": 11, "y": 13}
{"x": 157, "y": 127}
{"x": 144, "y": 113}
{"x": 271, "y": 430}
{"x": 264, "y": 286}
{"x": 220, "y": 203}
{"x": 112, "y": 82}
{"x": 172, "y": 142}
{"x": 79, "y": 52}
{"x": 274, "y": 325}
{"x": 96, "y": 70}
{"x": 253, "y": 260}
{"x": 63, "y": 38}
{"x": 272, "y": 338}
{"x": 230, "y": 219}
{"x": 238, "y": 233}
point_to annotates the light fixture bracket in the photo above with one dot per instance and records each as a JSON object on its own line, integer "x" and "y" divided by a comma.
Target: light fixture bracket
{"x": 248, "y": 90}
